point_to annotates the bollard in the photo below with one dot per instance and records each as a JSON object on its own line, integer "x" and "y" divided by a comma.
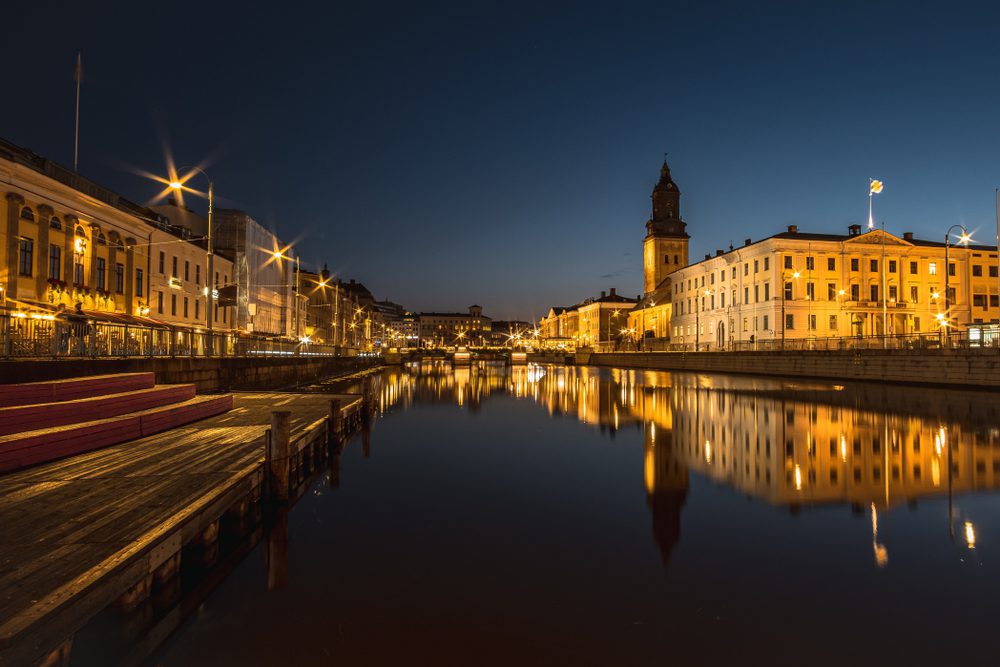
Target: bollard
{"x": 335, "y": 422}
{"x": 278, "y": 454}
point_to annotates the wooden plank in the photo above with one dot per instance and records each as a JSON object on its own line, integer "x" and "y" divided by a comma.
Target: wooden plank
{"x": 80, "y": 531}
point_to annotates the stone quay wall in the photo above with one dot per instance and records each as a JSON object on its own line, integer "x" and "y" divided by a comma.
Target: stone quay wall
{"x": 209, "y": 374}
{"x": 955, "y": 368}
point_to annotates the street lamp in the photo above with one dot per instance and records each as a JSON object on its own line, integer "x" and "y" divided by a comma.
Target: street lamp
{"x": 178, "y": 185}
{"x": 963, "y": 240}
{"x": 795, "y": 275}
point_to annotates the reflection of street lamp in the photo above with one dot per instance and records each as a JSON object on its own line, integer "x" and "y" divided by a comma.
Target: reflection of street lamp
{"x": 178, "y": 185}
{"x": 963, "y": 240}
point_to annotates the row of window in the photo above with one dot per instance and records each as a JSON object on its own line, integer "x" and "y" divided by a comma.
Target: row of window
{"x": 25, "y": 267}
{"x": 764, "y": 320}
{"x": 873, "y": 265}
{"x": 185, "y": 303}
{"x": 708, "y": 302}
{"x": 187, "y": 269}
{"x": 56, "y": 223}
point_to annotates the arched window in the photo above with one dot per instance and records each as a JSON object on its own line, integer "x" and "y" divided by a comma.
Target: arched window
{"x": 80, "y": 232}
{"x": 27, "y": 214}
{"x": 119, "y": 245}
{"x": 55, "y": 223}
{"x": 102, "y": 239}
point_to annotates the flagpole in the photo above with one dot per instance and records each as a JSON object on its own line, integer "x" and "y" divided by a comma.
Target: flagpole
{"x": 871, "y": 222}
{"x": 76, "y": 133}
{"x": 885, "y": 294}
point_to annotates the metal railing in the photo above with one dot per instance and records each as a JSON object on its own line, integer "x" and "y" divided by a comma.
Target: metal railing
{"x": 924, "y": 341}
{"x": 22, "y": 336}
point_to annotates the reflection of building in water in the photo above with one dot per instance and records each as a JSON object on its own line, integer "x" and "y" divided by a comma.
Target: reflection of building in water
{"x": 666, "y": 477}
{"x": 766, "y": 440}
{"x": 791, "y": 452}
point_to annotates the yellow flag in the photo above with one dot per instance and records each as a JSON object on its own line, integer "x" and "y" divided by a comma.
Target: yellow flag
{"x": 876, "y": 187}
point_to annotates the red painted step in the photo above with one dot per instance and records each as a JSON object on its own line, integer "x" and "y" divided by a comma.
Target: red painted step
{"x": 30, "y": 393}
{"x": 20, "y": 450}
{"x": 32, "y": 417}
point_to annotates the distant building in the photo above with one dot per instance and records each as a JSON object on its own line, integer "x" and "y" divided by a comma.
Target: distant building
{"x": 264, "y": 283}
{"x": 450, "y": 329}
{"x": 596, "y": 322}
{"x": 503, "y": 331}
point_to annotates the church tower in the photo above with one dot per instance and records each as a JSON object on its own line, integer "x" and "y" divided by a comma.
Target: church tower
{"x": 665, "y": 248}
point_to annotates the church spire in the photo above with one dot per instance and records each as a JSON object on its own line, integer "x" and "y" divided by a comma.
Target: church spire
{"x": 666, "y": 219}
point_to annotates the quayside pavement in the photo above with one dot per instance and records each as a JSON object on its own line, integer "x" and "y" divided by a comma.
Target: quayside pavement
{"x": 80, "y": 532}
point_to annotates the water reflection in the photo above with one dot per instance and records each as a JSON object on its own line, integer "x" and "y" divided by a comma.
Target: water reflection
{"x": 791, "y": 444}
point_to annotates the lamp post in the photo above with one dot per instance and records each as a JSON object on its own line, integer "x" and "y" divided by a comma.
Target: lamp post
{"x": 963, "y": 240}
{"x": 209, "y": 255}
{"x": 795, "y": 275}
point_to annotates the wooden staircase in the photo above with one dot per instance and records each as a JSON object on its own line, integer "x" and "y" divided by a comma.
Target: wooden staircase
{"x": 44, "y": 421}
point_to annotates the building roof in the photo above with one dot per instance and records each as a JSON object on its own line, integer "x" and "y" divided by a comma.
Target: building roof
{"x": 482, "y": 317}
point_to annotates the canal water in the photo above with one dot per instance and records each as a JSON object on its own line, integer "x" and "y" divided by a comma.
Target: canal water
{"x": 554, "y": 515}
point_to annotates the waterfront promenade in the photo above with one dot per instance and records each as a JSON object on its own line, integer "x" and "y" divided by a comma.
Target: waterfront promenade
{"x": 973, "y": 367}
{"x": 83, "y": 532}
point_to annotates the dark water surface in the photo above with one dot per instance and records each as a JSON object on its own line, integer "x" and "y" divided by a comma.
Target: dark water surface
{"x": 549, "y": 515}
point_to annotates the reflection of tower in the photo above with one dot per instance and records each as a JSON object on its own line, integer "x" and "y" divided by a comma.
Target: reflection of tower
{"x": 666, "y": 477}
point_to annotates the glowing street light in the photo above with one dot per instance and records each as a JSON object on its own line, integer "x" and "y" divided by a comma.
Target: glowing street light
{"x": 964, "y": 239}
{"x": 178, "y": 186}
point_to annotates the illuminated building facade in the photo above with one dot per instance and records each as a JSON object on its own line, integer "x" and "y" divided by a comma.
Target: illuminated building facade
{"x": 801, "y": 285}
{"x": 602, "y": 320}
{"x": 68, "y": 241}
{"x": 451, "y": 329}
{"x": 664, "y": 251}
{"x": 264, "y": 283}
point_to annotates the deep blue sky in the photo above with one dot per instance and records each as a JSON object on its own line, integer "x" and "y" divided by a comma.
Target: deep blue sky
{"x": 503, "y": 153}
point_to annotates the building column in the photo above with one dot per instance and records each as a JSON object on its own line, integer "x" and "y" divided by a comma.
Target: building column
{"x": 130, "y": 276}
{"x": 95, "y": 230}
{"x": 69, "y": 224}
{"x": 14, "y": 204}
{"x": 45, "y": 214}
{"x": 113, "y": 238}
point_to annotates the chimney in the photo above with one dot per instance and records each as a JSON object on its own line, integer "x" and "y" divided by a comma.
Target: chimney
{"x": 793, "y": 229}
{"x": 708, "y": 256}
{"x": 613, "y": 292}
{"x": 602, "y": 294}
{"x": 746, "y": 242}
{"x": 718, "y": 253}
{"x": 908, "y": 236}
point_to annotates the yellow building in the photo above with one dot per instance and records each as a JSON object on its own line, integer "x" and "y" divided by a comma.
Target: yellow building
{"x": 796, "y": 285}
{"x": 68, "y": 241}
{"x": 665, "y": 250}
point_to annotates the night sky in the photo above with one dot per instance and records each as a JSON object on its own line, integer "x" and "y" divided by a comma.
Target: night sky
{"x": 503, "y": 153}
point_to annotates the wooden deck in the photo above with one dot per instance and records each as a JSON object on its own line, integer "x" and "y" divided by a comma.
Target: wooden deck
{"x": 80, "y": 532}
